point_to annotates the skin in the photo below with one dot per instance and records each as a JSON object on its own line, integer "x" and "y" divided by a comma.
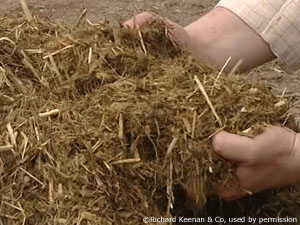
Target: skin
{"x": 269, "y": 160}
{"x": 221, "y": 34}
{"x": 215, "y": 37}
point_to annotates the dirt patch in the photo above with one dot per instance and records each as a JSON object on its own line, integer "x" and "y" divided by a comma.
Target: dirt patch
{"x": 181, "y": 11}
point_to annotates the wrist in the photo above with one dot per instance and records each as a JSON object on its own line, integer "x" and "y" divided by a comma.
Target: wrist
{"x": 221, "y": 34}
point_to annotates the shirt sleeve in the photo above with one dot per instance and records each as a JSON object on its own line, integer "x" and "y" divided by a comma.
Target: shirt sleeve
{"x": 277, "y": 22}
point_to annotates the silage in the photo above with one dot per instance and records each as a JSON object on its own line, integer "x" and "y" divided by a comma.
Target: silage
{"x": 105, "y": 125}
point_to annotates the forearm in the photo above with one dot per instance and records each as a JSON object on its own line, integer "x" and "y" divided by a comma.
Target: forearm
{"x": 221, "y": 34}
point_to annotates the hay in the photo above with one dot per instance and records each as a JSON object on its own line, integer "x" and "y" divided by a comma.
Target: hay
{"x": 105, "y": 125}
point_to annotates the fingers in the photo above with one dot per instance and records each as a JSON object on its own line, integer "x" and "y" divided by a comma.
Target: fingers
{"x": 139, "y": 20}
{"x": 178, "y": 34}
{"x": 233, "y": 147}
{"x": 175, "y": 31}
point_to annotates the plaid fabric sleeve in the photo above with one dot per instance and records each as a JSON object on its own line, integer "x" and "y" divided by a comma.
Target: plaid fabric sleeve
{"x": 277, "y": 22}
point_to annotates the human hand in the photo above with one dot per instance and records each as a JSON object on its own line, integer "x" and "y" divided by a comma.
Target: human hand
{"x": 175, "y": 31}
{"x": 269, "y": 160}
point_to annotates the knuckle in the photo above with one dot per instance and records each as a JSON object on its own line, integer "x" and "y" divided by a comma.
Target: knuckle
{"x": 217, "y": 143}
{"x": 146, "y": 13}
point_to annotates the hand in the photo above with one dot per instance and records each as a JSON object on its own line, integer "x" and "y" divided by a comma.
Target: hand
{"x": 176, "y": 32}
{"x": 269, "y": 160}
{"x": 215, "y": 37}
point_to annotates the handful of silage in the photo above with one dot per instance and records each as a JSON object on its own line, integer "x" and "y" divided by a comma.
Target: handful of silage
{"x": 106, "y": 124}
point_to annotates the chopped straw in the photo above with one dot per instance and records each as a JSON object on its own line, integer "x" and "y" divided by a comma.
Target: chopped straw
{"x": 142, "y": 41}
{"x": 6, "y": 148}
{"x": 26, "y": 11}
{"x": 235, "y": 68}
{"x": 82, "y": 15}
{"x": 50, "y": 113}
{"x": 121, "y": 127}
{"x": 107, "y": 126}
{"x": 171, "y": 146}
{"x": 126, "y": 161}
{"x": 33, "y": 177}
{"x": 219, "y": 74}
{"x": 201, "y": 88}
{"x": 58, "y": 51}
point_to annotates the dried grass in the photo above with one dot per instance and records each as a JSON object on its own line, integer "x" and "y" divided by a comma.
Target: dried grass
{"x": 105, "y": 125}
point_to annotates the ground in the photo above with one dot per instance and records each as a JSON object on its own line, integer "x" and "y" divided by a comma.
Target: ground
{"x": 180, "y": 11}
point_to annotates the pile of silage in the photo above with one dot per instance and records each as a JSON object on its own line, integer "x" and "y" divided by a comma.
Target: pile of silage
{"x": 105, "y": 125}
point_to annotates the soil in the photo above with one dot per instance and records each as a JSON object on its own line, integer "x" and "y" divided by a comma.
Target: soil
{"x": 180, "y": 11}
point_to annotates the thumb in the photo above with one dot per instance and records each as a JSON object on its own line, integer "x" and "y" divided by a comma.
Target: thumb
{"x": 232, "y": 147}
